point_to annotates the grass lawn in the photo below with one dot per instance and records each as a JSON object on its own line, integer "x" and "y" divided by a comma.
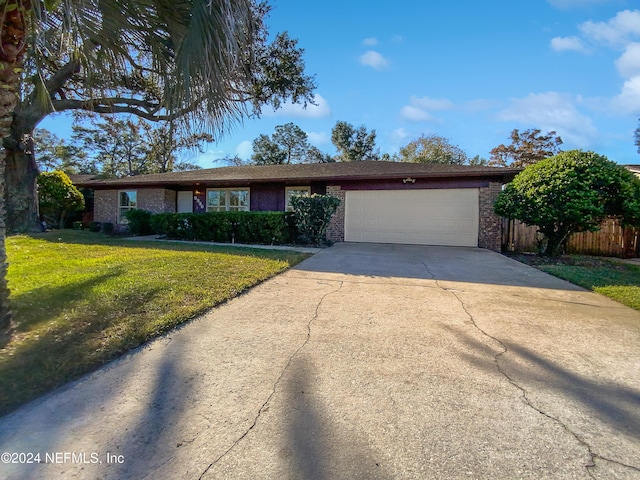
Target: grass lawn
{"x": 81, "y": 299}
{"x": 619, "y": 281}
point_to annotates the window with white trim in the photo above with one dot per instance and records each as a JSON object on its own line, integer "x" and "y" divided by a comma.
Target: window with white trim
{"x": 127, "y": 200}
{"x": 291, "y": 191}
{"x": 228, "y": 200}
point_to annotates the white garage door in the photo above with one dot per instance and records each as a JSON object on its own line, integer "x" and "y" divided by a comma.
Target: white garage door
{"x": 424, "y": 217}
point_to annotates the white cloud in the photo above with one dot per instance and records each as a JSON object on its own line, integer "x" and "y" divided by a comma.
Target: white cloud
{"x": 318, "y": 138}
{"x": 480, "y": 104}
{"x": 628, "y": 101}
{"x": 288, "y": 109}
{"x": 415, "y": 114}
{"x": 399, "y": 134}
{"x": 428, "y": 103}
{"x": 420, "y": 108}
{"x": 552, "y": 111}
{"x": 375, "y": 60}
{"x": 371, "y": 41}
{"x": 562, "y": 44}
{"x": 244, "y": 149}
{"x": 397, "y": 39}
{"x": 617, "y": 31}
{"x": 629, "y": 63}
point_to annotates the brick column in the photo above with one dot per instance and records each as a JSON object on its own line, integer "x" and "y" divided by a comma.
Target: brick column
{"x": 335, "y": 232}
{"x": 490, "y": 227}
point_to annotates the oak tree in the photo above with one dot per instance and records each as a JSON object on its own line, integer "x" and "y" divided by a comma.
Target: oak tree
{"x": 526, "y": 148}
{"x": 433, "y": 149}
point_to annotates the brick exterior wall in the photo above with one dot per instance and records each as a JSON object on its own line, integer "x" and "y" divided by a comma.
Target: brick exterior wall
{"x": 335, "y": 232}
{"x": 105, "y": 206}
{"x": 156, "y": 200}
{"x": 490, "y": 227}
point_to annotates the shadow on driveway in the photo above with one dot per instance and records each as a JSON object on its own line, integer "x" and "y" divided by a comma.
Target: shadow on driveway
{"x": 456, "y": 264}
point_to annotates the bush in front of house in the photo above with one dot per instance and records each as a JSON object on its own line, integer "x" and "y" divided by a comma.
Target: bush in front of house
{"x": 240, "y": 227}
{"x": 139, "y": 222}
{"x": 312, "y": 216}
{"x": 58, "y": 198}
{"x": 95, "y": 227}
{"x": 107, "y": 227}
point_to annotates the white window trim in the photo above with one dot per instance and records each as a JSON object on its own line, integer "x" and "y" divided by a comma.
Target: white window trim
{"x": 288, "y": 207}
{"x": 227, "y": 198}
{"x": 121, "y": 218}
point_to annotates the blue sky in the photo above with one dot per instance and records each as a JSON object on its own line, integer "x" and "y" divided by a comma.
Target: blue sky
{"x": 466, "y": 70}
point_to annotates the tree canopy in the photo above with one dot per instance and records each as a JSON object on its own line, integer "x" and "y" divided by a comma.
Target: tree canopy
{"x": 354, "y": 144}
{"x": 573, "y": 191}
{"x": 526, "y": 148}
{"x": 123, "y": 147}
{"x": 288, "y": 144}
{"x": 433, "y": 149}
{"x": 53, "y": 153}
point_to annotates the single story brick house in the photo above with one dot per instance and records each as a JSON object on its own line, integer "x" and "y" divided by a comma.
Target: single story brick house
{"x": 382, "y": 202}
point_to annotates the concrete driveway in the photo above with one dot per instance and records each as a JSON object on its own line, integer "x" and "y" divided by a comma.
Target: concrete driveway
{"x": 365, "y": 361}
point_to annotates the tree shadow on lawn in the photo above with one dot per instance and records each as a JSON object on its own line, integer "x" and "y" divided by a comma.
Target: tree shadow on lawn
{"x": 90, "y": 238}
{"x": 38, "y": 360}
{"x": 43, "y": 304}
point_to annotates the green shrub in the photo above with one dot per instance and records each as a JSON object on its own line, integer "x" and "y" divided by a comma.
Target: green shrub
{"x": 571, "y": 192}
{"x": 139, "y": 222}
{"x": 77, "y": 225}
{"x": 241, "y": 227}
{"x": 107, "y": 227}
{"x": 58, "y": 198}
{"x": 95, "y": 226}
{"x": 312, "y": 216}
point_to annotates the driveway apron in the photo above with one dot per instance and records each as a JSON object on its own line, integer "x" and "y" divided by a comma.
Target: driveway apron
{"x": 365, "y": 361}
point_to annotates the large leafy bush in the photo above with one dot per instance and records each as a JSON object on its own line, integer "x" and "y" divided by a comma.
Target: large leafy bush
{"x": 312, "y": 216}
{"x": 58, "y": 197}
{"x": 571, "y": 192}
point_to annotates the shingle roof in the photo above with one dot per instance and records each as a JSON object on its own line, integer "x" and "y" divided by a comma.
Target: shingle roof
{"x": 308, "y": 172}
{"x": 78, "y": 178}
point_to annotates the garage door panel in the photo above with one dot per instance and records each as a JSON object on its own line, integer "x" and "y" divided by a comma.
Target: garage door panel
{"x": 427, "y": 217}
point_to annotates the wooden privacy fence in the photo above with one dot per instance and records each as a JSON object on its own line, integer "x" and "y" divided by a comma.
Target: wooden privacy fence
{"x": 612, "y": 240}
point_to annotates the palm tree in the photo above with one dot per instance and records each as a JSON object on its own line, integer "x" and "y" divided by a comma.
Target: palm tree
{"x": 192, "y": 61}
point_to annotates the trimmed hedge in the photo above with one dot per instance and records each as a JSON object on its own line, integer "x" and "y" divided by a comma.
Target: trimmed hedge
{"x": 139, "y": 222}
{"x": 242, "y": 227}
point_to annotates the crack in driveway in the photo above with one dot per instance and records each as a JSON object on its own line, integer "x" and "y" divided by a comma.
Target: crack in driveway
{"x": 496, "y": 359}
{"x": 263, "y": 408}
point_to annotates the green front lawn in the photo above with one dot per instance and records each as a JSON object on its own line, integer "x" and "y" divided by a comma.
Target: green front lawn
{"x": 81, "y": 299}
{"x": 617, "y": 280}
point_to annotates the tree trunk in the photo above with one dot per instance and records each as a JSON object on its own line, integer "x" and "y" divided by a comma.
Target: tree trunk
{"x": 21, "y": 174}
{"x": 8, "y": 102}
{"x": 5, "y": 309}
{"x": 556, "y": 240}
{"x": 13, "y": 43}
